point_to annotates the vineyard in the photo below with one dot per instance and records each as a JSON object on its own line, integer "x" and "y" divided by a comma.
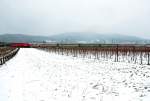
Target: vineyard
{"x": 119, "y": 53}
{"x": 65, "y": 73}
{"x": 45, "y": 76}
{"x": 131, "y": 53}
{"x": 6, "y": 53}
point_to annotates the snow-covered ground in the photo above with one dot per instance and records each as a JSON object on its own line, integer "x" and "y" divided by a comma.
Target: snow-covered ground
{"x": 35, "y": 75}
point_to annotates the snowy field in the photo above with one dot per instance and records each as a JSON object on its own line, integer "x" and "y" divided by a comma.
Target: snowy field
{"x": 35, "y": 75}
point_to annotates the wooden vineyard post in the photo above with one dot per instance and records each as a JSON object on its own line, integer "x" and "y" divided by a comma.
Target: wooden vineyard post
{"x": 62, "y": 51}
{"x": 133, "y": 59}
{"x": 116, "y": 58}
{"x": 141, "y": 57}
{"x": 148, "y": 63}
{"x": 148, "y": 56}
{"x": 1, "y": 61}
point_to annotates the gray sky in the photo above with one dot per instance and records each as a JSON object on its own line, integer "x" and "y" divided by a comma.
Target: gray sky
{"x": 47, "y": 17}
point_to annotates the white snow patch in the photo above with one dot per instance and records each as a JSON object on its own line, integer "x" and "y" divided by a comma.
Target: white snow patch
{"x": 34, "y": 75}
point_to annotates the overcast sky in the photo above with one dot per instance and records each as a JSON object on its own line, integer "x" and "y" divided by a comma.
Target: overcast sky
{"x": 47, "y": 17}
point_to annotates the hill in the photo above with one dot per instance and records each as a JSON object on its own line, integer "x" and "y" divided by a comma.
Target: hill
{"x": 96, "y": 38}
{"x": 74, "y": 37}
{"x": 21, "y": 38}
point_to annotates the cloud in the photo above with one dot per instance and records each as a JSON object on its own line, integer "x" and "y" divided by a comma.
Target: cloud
{"x": 57, "y": 16}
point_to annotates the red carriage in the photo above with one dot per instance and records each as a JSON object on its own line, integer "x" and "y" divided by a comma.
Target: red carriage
{"x": 21, "y": 45}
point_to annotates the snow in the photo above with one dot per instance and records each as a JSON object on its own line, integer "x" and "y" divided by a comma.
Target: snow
{"x": 35, "y": 75}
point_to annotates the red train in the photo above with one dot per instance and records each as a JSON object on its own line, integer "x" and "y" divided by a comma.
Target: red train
{"x": 21, "y": 45}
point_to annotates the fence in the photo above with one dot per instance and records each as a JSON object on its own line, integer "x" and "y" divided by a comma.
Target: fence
{"x": 8, "y": 56}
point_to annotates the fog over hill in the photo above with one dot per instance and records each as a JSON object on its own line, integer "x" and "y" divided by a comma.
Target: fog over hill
{"x": 74, "y": 37}
{"x": 21, "y": 38}
{"x": 96, "y": 38}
